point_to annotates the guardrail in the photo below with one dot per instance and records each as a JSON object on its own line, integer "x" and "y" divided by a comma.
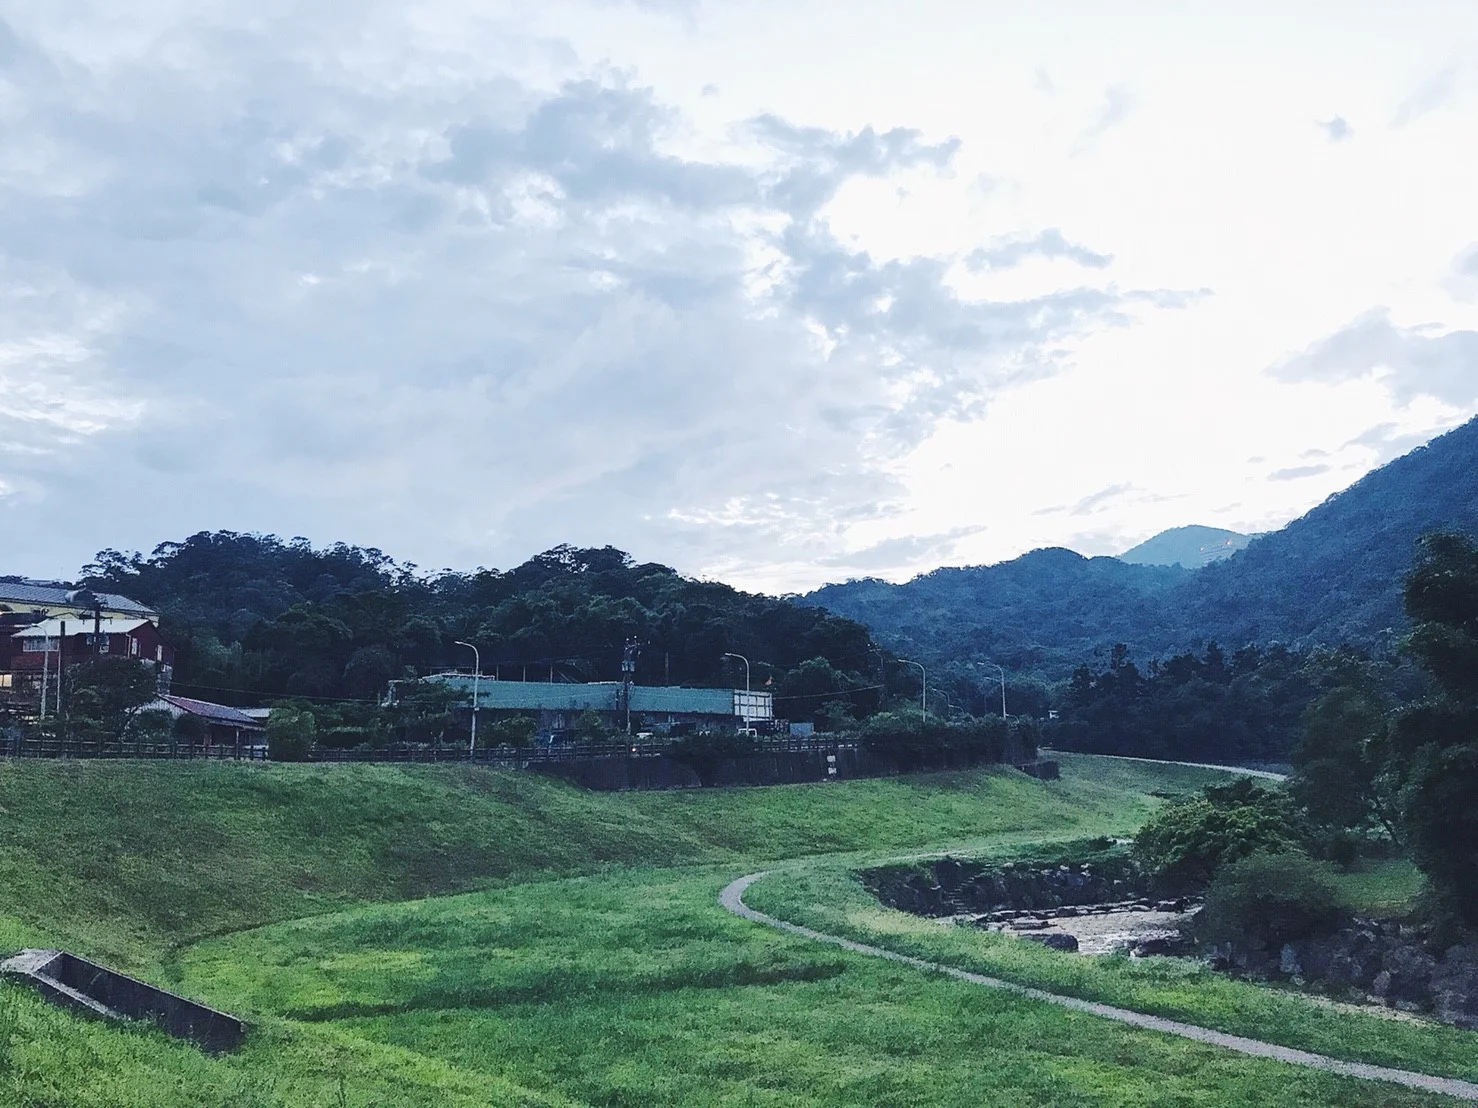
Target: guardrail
{"x": 51, "y": 747}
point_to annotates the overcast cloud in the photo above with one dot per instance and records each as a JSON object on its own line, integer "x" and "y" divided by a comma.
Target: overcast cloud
{"x": 465, "y": 282}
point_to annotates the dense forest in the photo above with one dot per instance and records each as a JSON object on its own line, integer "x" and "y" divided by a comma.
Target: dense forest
{"x": 1244, "y": 708}
{"x": 254, "y": 618}
{"x": 1332, "y": 577}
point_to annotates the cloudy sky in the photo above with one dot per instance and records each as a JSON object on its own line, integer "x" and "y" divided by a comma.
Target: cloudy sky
{"x": 778, "y": 293}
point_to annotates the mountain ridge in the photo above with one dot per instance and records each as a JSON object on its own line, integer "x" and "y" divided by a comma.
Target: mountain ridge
{"x": 1332, "y": 576}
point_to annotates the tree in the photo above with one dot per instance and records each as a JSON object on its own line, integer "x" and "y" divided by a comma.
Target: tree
{"x": 1187, "y": 844}
{"x": 1339, "y": 779}
{"x": 290, "y": 734}
{"x": 105, "y": 693}
{"x": 1432, "y": 755}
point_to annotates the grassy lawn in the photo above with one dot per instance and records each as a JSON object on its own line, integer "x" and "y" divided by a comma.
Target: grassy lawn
{"x": 592, "y": 965}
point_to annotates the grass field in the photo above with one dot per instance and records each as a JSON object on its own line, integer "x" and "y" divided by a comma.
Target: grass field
{"x": 592, "y": 964}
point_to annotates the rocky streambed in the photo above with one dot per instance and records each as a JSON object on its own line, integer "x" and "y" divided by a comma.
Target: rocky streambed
{"x": 1105, "y": 904}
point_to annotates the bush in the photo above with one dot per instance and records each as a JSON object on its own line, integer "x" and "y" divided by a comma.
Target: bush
{"x": 513, "y": 731}
{"x": 290, "y": 735}
{"x": 707, "y": 750}
{"x": 1186, "y": 845}
{"x": 915, "y": 742}
{"x": 1266, "y": 900}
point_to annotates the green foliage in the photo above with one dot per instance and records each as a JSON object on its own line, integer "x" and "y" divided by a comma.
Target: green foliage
{"x": 104, "y": 693}
{"x": 512, "y": 731}
{"x": 1187, "y": 844}
{"x": 626, "y": 987}
{"x": 706, "y": 751}
{"x": 1329, "y": 577}
{"x": 1339, "y": 779}
{"x": 290, "y": 735}
{"x": 279, "y": 619}
{"x": 1267, "y": 899}
{"x": 916, "y": 742}
{"x": 589, "y": 727}
{"x": 1432, "y": 753}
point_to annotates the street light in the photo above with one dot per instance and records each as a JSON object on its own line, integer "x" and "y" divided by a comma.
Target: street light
{"x": 924, "y": 694}
{"x": 1002, "y": 672}
{"x": 745, "y": 660}
{"x": 476, "y": 674}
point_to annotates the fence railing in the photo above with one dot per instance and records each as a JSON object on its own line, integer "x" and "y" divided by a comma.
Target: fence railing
{"x": 53, "y": 747}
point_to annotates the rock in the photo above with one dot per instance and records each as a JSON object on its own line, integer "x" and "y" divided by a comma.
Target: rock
{"x": 1056, "y": 940}
{"x": 1288, "y": 963}
{"x": 1168, "y": 945}
{"x": 1171, "y": 905}
{"x": 1028, "y": 924}
{"x": 1381, "y": 986}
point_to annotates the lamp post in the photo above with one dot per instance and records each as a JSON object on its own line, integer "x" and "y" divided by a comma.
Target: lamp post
{"x": 476, "y": 675}
{"x": 744, "y": 716}
{"x": 1002, "y": 672}
{"x": 745, "y": 660}
{"x": 924, "y": 693}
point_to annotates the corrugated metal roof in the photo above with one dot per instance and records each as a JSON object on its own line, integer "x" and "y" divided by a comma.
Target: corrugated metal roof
{"x": 23, "y": 593}
{"x": 601, "y": 697}
{"x": 51, "y": 628}
{"x": 216, "y": 713}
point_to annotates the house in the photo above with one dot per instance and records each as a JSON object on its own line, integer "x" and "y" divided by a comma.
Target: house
{"x": 56, "y": 600}
{"x": 222, "y": 725}
{"x": 34, "y": 655}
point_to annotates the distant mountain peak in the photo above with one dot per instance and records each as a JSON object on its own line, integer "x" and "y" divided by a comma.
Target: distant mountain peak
{"x": 1192, "y": 547}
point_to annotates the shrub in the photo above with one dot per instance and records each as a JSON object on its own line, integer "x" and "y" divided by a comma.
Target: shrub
{"x": 290, "y": 735}
{"x": 1266, "y": 900}
{"x": 1185, "y": 845}
{"x": 513, "y": 731}
{"x": 707, "y": 750}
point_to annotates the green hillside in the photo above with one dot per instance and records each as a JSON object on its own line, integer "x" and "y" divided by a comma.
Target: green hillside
{"x": 1188, "y": 547}
{"x": 594, "y": 966}
{"x": 1332, "y": 576}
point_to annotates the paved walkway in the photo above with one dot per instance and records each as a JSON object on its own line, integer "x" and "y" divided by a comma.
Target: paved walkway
{"x": 732, "y": 898}
{"x": 1266, "y": 774}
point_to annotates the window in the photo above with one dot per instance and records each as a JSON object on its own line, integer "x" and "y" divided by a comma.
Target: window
{"x": 7, "y": 680}
{"x": 133, "y": 648}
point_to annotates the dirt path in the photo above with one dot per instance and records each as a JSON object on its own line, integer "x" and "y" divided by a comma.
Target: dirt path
{"x": 732, "y": 898}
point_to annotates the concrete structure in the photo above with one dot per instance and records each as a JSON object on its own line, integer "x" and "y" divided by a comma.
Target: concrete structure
{"x": 94, "y": 990}
{"x": 661, "y": 709}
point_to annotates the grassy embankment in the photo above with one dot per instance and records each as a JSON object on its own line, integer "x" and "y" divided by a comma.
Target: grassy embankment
{"x": 624, "y": 986}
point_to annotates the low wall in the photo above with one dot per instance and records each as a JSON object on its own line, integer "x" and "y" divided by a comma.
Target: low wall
{"x": 661, "y": 771}
{"x": 87, "y": 987}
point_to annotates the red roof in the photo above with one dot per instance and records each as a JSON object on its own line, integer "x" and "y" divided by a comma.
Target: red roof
{"x": 216, "y": 713}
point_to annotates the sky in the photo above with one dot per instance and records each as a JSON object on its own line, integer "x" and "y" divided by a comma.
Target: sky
{"x": 776, "y": 294}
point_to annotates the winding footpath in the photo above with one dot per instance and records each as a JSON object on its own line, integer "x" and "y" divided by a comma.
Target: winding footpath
{"x": 732, "y": 898}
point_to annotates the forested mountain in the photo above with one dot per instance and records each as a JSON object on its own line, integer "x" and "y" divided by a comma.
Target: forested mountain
{"x": 1189, "y": 547}
{"x": 254, "y": 618}
{"x": 1333, "y": 576}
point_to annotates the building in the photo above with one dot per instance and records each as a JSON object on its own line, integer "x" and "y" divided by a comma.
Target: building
{"x": 222, "y": 725}
{"x": 661, "y": 709}
{"x": 34, "y": 656}
{"x": 27, "y": 597}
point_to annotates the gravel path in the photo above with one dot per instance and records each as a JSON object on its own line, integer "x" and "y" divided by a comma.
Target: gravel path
{"x": 732, "y": 898}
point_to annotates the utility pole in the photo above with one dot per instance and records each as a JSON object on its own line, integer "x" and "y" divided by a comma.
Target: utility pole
{"x": 924, "y": 693}
{"x": 476, "y": 675}
{"x": 628, "y": 675}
